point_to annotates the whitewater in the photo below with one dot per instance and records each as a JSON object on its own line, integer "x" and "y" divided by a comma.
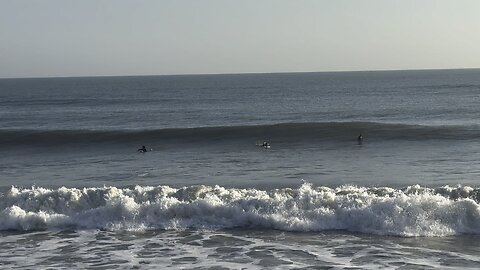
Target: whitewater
{"x": 413, "y": 211}
{"x": 76, "y": 194}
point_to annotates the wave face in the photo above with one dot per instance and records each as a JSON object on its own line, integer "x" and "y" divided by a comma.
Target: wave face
{"x": 279, "y": 132}
{"x": 411, "y": 211}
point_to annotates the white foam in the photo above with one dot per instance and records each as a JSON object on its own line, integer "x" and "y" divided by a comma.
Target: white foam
{"x": 413, "y": 211}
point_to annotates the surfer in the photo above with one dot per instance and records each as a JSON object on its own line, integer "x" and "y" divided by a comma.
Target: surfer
{"x": 360, "y": 138}
{"x": 143, "y": 149}
{"x": 266, "y": 145}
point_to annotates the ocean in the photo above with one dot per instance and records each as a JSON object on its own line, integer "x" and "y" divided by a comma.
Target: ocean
{"x": 76, "y": 193}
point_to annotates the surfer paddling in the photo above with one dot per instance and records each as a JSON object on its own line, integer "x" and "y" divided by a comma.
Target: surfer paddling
{"x": 142, "y": 150}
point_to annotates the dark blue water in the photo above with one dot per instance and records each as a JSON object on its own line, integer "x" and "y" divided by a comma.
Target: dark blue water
{"x": 414, "y": 174}
{"x": 420, "y": 127}
{"x": 412, "y": 97}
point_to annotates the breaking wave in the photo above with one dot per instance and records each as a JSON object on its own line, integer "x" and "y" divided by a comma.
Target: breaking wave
{"x": 411, "y": 211}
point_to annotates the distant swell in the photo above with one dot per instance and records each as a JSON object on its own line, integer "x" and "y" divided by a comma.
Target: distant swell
{"x": 412, "y": 211}
{"x": 276, "y": 132}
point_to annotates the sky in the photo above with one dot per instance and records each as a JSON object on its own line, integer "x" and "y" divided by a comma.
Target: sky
{"x": 50, "y": 38}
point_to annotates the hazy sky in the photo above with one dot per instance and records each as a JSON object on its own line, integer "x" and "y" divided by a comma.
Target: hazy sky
{"x": 118, "y": 37}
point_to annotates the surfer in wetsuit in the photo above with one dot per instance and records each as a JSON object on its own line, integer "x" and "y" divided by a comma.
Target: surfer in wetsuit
{"x": 360, "y": 138}
{"x": 143, "y": 149}
{"x": 266, "y": 144}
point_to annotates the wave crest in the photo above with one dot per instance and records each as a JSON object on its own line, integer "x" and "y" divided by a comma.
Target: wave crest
{"x": 411, "y": 211}
{"x": 333, "y": 131}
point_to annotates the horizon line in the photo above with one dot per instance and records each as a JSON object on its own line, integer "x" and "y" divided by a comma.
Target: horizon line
{"x": 239, "y": 73}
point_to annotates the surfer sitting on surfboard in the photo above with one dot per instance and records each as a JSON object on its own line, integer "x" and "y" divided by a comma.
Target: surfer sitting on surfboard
{"x": 360, "y": 139}
{"x": 266, "y": 144}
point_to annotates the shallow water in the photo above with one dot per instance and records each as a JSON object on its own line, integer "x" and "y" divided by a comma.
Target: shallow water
{"x": 207, "y": 197}
{"x": 234, "y": 249}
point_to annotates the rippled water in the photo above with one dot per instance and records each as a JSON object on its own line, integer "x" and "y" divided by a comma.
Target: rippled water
{"x": 208, "y": 197}
{"x": 233, "y": 249}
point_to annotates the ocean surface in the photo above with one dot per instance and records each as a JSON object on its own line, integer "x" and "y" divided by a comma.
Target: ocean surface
{"x": 76, "y": 193}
